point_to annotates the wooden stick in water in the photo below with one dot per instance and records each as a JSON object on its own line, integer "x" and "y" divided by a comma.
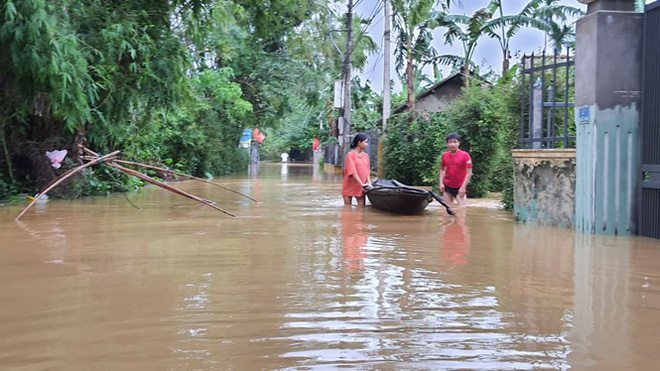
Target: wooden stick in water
{"x": 168, "y": 187}
{"x": 442, "y": 202}
{"x": 186, "y": 176}
{"x": 65, "y": 176}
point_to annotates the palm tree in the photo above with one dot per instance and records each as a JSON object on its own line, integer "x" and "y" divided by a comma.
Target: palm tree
{"x": 555, "y": 16}
{"x": 467, "y": 30}
{"x": 561, "y": 35}
{"x": 504, "y": 27}
{"x": 413, "y": 23}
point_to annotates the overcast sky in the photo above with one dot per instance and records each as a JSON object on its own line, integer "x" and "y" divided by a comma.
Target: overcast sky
{"x": 488, "y": 53}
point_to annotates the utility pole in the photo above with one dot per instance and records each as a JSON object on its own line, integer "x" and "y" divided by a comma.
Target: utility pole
{"x": 386, "y": 88}
{"x": 345, "y": 125}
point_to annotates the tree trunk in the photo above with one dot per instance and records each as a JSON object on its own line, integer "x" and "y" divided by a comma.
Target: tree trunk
{"x": 466, "y": 72}
{"x": 505, "y": 62}
{"x": 10, "y": 171}
{"x": 410, "y": 78}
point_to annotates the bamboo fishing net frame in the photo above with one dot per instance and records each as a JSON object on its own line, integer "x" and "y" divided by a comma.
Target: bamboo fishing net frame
{"x": 113, "y": 161}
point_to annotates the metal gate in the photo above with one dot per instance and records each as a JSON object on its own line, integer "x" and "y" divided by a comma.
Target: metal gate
{"x": 546, "y": 109}
{"x": 649, "y": 190}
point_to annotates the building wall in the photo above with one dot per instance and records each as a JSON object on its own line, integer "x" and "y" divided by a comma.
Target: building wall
{"x": 544, "y": 187}
{"x": 441, "y": 98}
{"x": 607, "y": 100}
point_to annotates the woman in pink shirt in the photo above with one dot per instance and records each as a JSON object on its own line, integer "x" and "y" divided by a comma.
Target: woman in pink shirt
{"x": 356, "y": 171}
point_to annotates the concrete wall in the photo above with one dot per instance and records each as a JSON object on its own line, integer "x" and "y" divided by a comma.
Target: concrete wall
{"x": 608, "y": 91}
{"x": 544, "y": 187}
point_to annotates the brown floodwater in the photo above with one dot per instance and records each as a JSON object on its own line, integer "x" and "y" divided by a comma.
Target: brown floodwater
{"x": 297, "y": 281}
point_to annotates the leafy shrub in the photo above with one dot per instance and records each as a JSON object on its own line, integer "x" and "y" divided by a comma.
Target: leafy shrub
{"x": 411, "y": 148}
{"x": 508, "y": 93}
{"x": 476, "y": 118}
{"x": 486, "y": 119}
{"x": 201, "y": 136}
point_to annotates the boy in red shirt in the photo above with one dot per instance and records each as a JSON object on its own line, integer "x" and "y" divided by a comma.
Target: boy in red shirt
{"x": 455, "y": 171}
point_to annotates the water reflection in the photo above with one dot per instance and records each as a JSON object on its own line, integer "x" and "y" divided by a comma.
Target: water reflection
{"x": 317, "y": 173}
{"x": 284, "y": 170}
{"x": 354, "y": 237}
{"x": 299, "y": 282}
{"x": 253, "y": 170}
{"x": 616, "y": 302}
{"x": 455, "y": 240}
{"x": 51, "y": 234}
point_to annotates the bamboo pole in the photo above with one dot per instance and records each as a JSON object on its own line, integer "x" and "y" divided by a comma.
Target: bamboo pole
{"x": 173, "y": 172}
{"x": 65, "y": 176}
{"x": 184, "y": 175}
{"x": 168, "y": 187}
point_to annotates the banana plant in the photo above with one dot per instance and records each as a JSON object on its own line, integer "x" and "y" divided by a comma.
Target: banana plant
{"x": 467, "y": 30}
{"x": 556, "y": 16}
{"x": 504, "y": 27}
{"x": 412, "y": 22}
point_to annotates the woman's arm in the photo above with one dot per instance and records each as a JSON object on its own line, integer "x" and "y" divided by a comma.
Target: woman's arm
{"x": 358, "y": 179}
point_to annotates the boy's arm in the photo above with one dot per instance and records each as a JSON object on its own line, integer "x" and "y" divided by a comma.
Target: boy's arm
{"x": 442, "y": 179}
{"x": 468, "y": 176}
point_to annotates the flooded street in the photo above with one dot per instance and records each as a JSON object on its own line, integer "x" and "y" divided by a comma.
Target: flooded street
{"x": 297, "y": 281}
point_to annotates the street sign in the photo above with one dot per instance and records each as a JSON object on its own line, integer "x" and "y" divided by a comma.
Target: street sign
{"x": 584, "y": 115}
{"x": 246, "y": 137}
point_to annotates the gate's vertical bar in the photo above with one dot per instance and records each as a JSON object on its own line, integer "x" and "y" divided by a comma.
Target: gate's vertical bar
{"x": 531, "y": 100}
{"x": 522, "y": 103}
{"x": 542, "y": 108}
{"x": 554, "y": 99}
{"x": 568, "y": 71}
{"x": 643, "y": 117}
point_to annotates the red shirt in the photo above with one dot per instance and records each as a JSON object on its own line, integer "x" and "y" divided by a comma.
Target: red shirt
{"x": 455, "y": 166}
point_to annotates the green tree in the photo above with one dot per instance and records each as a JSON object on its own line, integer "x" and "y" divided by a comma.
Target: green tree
{"x": 82, "y": 67}
{"x": 412, "y": 148}
{"x": 504, "y": 27}
{"x": 414, "y": 21}
{"x": 468, "y": 31}
{"x": 559, "y": 29}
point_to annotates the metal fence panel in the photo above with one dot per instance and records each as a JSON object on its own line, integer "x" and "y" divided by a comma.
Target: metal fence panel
{"x": 649, "y": 190}
{"x": 546, "y": 108}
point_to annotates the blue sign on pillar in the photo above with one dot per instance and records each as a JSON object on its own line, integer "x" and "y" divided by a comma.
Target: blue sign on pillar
{"x": 246, "y": 137}
{"x": 584, "y": 115}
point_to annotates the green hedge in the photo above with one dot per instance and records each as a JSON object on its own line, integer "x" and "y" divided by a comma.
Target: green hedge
{"x": 487, "y": 120}
{"x": 411, "y": 148}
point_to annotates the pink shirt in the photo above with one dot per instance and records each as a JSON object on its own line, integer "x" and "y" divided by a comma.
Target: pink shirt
{"x": 355, "y": 164}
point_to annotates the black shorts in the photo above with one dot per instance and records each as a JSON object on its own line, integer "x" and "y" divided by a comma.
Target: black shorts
{"x": 451, "y": 191}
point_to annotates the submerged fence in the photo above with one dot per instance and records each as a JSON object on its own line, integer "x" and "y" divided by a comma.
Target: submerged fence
{"x": 547, "y": 107}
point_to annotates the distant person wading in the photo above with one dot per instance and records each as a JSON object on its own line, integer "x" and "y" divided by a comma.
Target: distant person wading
{"x": 356, "y": 171}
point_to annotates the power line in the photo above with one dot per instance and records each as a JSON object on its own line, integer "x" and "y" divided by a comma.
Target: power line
{"x": 376, "y": 9}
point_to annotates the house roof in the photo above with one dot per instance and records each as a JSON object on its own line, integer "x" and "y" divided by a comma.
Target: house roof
{"x": 438, "y": 85}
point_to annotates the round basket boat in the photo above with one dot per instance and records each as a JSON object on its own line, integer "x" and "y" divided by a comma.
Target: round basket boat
{"x": 393, "y": 196}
